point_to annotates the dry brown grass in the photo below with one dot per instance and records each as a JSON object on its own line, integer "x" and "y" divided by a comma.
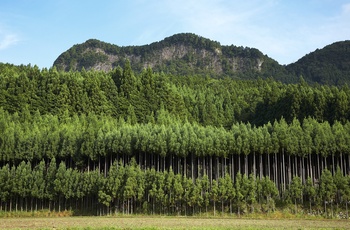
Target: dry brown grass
{"x": 167, "y": 223}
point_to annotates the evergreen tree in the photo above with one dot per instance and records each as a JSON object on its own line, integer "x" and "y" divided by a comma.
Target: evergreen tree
{"x": 206, "y": 191}
{"x": 296, "y": 190}
{"x": 60, "y": 185}
{"x": 340, "y": 182}
{"x": 252, "y": 192}
{"x": 239, "y": 192}
{"x": 50, "y": 177}
{"x": 38, "y": 187}
{"x": 5, "y": 186}
{"x": 327, "y": 189}
{"x": 214, "y": 194}
{"x": 269, "y": 192}
{"x": 310, "y": 192}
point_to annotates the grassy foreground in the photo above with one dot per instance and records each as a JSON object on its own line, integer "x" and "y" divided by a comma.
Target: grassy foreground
{"x": 106, "y": 223}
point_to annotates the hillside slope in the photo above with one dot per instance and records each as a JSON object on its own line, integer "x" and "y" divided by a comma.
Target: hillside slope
{"x": 180, "y": 54}
{"x": 190, "y": 54}
{"x": 329, "y": 65}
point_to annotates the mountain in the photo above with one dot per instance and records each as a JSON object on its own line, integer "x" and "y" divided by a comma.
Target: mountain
{"x": 180, "y": 54}
{"x": 329, "y": 65}
{"x": 190, "y": 54}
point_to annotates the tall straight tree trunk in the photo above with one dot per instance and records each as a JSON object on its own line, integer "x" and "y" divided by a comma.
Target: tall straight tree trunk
{"x": 192, "y": 168}
{"x": 268, "y": 166}
{"x": 254, "y": 164}
{"x": 204, "y": 165}
{"x": 223, "y": 166}
{"x": 16, "y": 203}
{"x": 239, "y": 163}
{"x": 217, "y": 168}
{"x": 348, "y": 163}
{"x": 301, "y": 166}
{"x": 158, "y": 160}
{"x": 59, "y": 203}
{"x": 185, "y": 167}
{"x": 310, "y": 166}
{"x": 275, "y": 172}
{"x": 341, "y": 163}
{"x": 199, "y": 167}
{"x": 318, "y": 166}
{"x": 232, "y": 169}
{"x": 211, "y": 170}
{"x": 283, "y": 172}
{"x": 111, "y": 161}
{"x": 164, "y": 164}
{"x": 289, "y": 170}
{"x": 261, "y": 166}
{"x": 105, "y": 170}
{"x": 295, "y": 166}
{"x": 99, "y": 164}
{"x": 145, "y": 160}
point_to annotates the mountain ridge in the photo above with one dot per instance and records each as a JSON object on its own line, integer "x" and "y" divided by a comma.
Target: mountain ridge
{"x": 189, "y": 54}
{"x": 328, "y": 65}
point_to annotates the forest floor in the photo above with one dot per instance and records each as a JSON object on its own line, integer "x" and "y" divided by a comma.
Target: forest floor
{"x": 141, "y": 222}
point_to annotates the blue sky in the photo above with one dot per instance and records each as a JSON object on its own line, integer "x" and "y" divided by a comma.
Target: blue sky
{"x": 37, "y": 31}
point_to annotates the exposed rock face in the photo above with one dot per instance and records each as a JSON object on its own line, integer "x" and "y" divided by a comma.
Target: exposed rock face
{"x": 183, "y": 54}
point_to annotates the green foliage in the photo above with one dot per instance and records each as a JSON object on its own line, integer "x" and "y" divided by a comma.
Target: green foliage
{"x": 327, "y": 187}
{"x": 325, "y": 66}
{"x": 179, "y": 144}
{"x": 27, "y": 90}
{"x": 126, "y": 186}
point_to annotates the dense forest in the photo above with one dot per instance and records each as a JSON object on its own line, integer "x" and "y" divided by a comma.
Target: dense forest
{"x": 123, "y": 142}
{"x": 329, "y": 65}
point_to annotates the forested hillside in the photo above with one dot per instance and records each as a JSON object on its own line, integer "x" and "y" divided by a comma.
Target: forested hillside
{"x": 119, "y": 141}
{"x": 330, "y": 65}
{"x": 180, "y": 54}
{"x": 189, "y": 54}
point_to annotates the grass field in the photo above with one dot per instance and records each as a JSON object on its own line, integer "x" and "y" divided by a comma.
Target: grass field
{"x": 167, "y": 223}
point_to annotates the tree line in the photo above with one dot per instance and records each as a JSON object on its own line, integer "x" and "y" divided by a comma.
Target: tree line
{"x": 279, "y": 150}
{"x": 128, "y": 189}
{"x": 207, "y": 101}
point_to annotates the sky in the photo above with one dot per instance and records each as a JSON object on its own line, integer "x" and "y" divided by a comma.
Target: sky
{"x": 36, "y": 32}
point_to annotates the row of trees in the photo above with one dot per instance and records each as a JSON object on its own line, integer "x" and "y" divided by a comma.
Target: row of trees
{"x": 128, "y": 189}
{"x": 279, "y": 150}
{"x": 39, "y": 136}
{"x": 196, "y": 99}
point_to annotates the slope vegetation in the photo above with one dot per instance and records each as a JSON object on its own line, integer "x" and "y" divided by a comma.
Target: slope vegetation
{"x": 330, "y": 65}
{"x": 180, "y": 54}
{"x": 190, "y": 54}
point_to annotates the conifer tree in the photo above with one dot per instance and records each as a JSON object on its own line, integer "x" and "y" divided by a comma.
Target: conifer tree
{"x": 214, "y": 194}
{"x": 296, "y": 190}
{"x": 310, "y": 192}
{"x": 327, "y": 189}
